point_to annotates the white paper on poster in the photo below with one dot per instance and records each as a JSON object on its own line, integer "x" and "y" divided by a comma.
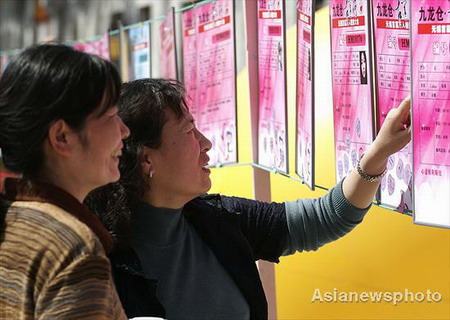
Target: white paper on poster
{"x": 272, "y": 124}
{"x": 430, "y": 66}
{"x": 139, "y": 52}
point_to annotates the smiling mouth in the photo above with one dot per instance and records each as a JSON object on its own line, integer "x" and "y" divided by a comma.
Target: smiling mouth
{"x": 205, "y": 163}
{"x": 205, "y": 167}
{"x": 116, "y": 154}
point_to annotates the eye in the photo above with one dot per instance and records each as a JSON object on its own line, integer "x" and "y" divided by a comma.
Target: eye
{"x": 113, "y": 112}
{"x": 191, "y": 129}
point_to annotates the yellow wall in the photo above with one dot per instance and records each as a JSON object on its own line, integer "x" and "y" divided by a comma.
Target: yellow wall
{"x": 386, "y": 253}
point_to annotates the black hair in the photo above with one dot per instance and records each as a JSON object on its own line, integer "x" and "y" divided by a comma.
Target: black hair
{"x": 43, "y": 84}
{"x": 143, "y": 106}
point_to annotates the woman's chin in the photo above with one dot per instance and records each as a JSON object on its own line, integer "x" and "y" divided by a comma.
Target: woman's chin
{"x": 206, "y": 187}
{"x": 113, "y": 177}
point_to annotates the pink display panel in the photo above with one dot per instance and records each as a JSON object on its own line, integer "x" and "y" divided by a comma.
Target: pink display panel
{"x": 352, "y": 78}
{"x": 392, "y": 66}
{"x": 139, "y": 52}
{"x": 168, "y": 56}
{"x": 189, "y": 23}
{"x": 98, "y": 47}
{"x": 430, "y": 65}
{"x": 272, "y": 133}
{"x": 215, "y": 76}
{"x": 305, "y": 91}
{"x": 216, "y": 72}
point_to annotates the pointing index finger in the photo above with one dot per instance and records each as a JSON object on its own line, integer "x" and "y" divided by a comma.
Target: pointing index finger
{"x": 404, "y": 112}
{"x": 405, "y": 105}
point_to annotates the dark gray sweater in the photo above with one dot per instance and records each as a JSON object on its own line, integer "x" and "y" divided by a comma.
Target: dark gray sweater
{"x": 192, "y": 284}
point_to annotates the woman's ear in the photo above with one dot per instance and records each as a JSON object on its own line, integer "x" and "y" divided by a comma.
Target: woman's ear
{"x": 61, "y": 138}
{"x": 146, "y": 161}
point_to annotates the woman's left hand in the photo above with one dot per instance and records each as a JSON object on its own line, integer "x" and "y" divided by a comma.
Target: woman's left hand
{"x": 393, "y": 136}
{"x": 395, "y": 132}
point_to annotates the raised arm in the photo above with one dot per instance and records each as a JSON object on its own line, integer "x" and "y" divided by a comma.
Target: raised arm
{"x": 275, "y": 229}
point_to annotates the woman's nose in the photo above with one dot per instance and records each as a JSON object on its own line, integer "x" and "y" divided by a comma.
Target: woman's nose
{"x": 124, "y": 129}
{"x": 205, "y": 144}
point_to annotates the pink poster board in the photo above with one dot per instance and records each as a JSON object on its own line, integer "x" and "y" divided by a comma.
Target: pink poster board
{"x": 392, "y": 68}
{"x": 98, "y": 47}
{"x": 189, "y": 23}
{"x": 272, "y": 124}
{"x": 216, "y": 71}
{"x": 139, "y": 52}
{"x": 305, "y": 91}
{"x": 168, "y": 56}
{"x": 430, "y": 65}
{"x": 352, "y": 82}
{"x": 210, "y": 75}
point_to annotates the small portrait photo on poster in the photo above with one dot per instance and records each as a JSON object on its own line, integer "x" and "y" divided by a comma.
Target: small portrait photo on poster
{"x": 363, "y": 67}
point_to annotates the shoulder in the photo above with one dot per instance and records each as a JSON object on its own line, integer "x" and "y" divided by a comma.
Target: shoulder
{"x": 215, "y": 205}
{"x": 236, "y": 206}
{"x": 206, "y": 201}
{"x": 51, "y": 228}
{"x": 44, "y": 244}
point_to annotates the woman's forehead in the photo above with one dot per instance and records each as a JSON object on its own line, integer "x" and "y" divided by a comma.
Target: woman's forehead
{"x": 178, "y": 122}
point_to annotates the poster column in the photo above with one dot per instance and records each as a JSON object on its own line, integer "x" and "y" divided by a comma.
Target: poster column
{"x": 216, "y": 79}
{"x": 124, "y": 54}
{"x": 430, "y": 65}
{"x": 261, "y": 178}
{"x": 114, "y": 50}
{"x": 168, "y": 57}
{"x": 272, "y": 128}
{"x": 392, "y": 67}
{"x": 305, "y": 92}
{"x": 352, "y": 82}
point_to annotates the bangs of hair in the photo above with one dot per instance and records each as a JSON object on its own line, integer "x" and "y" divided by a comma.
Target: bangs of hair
{"x": 111, "y": 89}
{"x": 172, "y": 95}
